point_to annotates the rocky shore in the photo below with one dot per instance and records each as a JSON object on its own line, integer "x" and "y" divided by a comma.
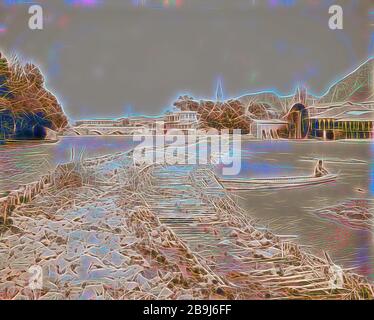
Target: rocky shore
{"x": 111, "y": 229}
{"x": 354, "y": 213}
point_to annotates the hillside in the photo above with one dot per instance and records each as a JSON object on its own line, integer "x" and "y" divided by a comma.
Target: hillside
{"x": 230, "y": 114}
{"x": 27, "y": 108}
{"x": 356, "y": 87}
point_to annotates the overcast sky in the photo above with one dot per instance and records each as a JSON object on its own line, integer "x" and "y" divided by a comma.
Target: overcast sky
{"x": 112, "y": 58}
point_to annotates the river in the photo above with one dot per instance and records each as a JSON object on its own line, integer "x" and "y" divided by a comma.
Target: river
{"x": 23, "y": 162}
{"x": 290, "y": 211}
{"x": 287, "y": 212}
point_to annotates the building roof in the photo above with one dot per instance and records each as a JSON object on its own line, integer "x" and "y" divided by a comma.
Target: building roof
{"x": 104, "y": 120}
{"x": 186, "y": 111}
{"x": 346, "y": 112}
{"x": 144, "y": 118}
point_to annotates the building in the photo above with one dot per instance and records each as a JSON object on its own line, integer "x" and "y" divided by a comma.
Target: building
{"x": 181, "y": 120}
{"x": 297, "y": 116}
{"x": 342, "y": 121}
{"x": 144, "y": 121}
{"x": 121, "y": 126}
{"x": 268, "y": 129}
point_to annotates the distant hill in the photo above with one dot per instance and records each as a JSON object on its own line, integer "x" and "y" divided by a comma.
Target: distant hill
{"x": 275, "y": 102}
{"x": 356, "y": 87}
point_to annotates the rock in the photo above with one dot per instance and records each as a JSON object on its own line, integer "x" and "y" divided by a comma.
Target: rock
{"x": 256, "y": 234}
{"x": 157, "y": 289}
{"x": 89, "y": 294}
{"x": 154, "y": 233}
{"x": 234, "y": 234}
{"x": 132, "y": 272}
{"x": 50, "y": 286}
{"x": 273, "y": 251}
{"x": 161, "y": 259}
{"x": 157, "y": 240}
{"x": 131, "y": 285}
{"x": 264, "y": 253}
{"x": 220, "y": 291}
{"x": 20, "y": 296}
{"x": 61, "y": 265}
{"x": 146, "y": 264}
{"x": 225, "y": 242}
{"x": 52, "y": 296}
{"x": 155, "y": 279}
{"x": 9, "y": 289}
{"x": 240, "y": 243}
{"x": 165, "y": 277}
{"x": 143, "y": 282}
{"x": 186, "y": 297}
{"x": 165, "y": 293}
{"x": 129, "y": 241}
{"x": 165, "y": 243}
{"x": 264, "y": 242}
{"x": 253, "y": 243}
{"x": 209, "y": 279}
{"x": 118, "y": 259}
{"x": 47, "y": 254}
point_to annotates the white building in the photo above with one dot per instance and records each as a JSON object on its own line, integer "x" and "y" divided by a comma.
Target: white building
{"x": 268, "y": 129}
{"x": 143, "y": 121}
{"x": 181, "y": 120}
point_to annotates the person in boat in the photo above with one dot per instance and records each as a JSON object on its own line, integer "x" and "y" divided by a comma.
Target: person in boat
{"x": 320, "y": 170}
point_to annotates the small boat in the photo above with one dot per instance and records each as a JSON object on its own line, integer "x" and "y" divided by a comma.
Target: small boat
{"x": 275, "y": 183}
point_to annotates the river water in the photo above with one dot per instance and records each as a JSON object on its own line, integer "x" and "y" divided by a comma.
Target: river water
{"x": 286, "y": 212}
{"x": 23, "y": 162}
{"x": 290, "y": 211}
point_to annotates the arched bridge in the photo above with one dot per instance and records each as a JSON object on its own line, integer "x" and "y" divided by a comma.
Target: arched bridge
{"x": 105, "y": 131}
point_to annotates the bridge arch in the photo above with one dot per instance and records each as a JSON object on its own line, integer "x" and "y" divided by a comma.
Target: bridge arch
{"x": 116, "y": 133}
{"x": 298, "y": 127}
{"x": 77, "y": 132}
{"x": 96, "y": 132}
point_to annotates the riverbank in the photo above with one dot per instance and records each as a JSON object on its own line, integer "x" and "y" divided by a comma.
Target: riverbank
{"x": 107, "y": 229}
{"x": 29, "y": 141}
